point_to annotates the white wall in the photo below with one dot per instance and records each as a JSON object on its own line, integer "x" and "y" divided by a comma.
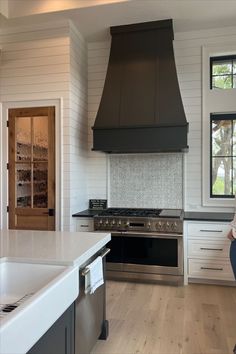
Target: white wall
{"x": 188, "y": 51}
{"x": 98, "y": 54}
{"x": 38, "y": 64}
{"x": 188, "y": 47}
{"x": 77, "y": 126}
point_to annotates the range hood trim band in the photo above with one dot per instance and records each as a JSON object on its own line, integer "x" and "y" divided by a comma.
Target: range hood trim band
{"x": 149, "y": 139}
{"x": 145, "y": 26}
{"x": 142, "y": 127}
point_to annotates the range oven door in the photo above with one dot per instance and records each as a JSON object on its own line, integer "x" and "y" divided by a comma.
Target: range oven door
{"x": 153, "y": 253}
{"x": 116, "y": 256}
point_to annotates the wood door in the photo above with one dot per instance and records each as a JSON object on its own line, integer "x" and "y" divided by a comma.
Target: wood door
{"x": 32, "y": 168}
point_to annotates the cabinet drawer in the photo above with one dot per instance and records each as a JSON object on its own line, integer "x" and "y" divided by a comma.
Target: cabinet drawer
{"x": 85, "y": 224}
{"x": 211, "y": 230}
{"x": 213, "y": 249}
{"x": 209, "y": 269}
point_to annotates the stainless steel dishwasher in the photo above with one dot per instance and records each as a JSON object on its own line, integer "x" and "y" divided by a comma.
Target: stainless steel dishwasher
{"x": 90, "y": 316}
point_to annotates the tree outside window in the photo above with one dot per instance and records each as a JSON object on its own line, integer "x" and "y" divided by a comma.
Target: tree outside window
{"x": 223, "y": 72}
{"x": 223, "y": 155}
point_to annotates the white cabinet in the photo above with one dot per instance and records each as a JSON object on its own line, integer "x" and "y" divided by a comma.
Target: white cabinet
{"x": 207, "y": 249}
{"x": 84, "y": 224}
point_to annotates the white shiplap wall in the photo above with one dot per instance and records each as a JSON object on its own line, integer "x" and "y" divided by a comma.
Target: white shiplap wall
{"x": 38, "y": 63}
{"x": 188, "y": 51}
{"x": 77, "y": 150}
{"x": 188, "y": 47}
{"x": 98, "y": 54}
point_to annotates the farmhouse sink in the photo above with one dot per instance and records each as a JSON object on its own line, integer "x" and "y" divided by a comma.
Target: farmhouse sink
{"x": 32, "y": 297}
{"x": 19, "y": 280}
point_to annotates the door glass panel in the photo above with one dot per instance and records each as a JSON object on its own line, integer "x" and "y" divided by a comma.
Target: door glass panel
{"x": 23, "y": 138}
{"x": 23, "y": 185}
{"x": 40, "y": 138}
{"x": 40, "y": 185}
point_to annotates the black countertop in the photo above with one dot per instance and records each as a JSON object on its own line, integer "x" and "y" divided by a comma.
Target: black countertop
{"x": 188, "y": 215}
{"x": 88, "y": 213}
{"x": 206, "y": 216}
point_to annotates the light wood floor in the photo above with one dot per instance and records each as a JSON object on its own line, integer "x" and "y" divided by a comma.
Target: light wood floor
{"x": 157, "y": 319}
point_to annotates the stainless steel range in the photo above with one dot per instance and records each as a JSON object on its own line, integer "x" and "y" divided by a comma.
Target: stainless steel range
{"x": 146, "y": 244}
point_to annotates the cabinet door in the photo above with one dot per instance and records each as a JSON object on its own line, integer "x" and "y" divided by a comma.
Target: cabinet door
{"x": 207, "y": 229}
{"x": 59, "y": 339}
{"x": 85, "y": 224}
{"x": 32, "y": 168}
{"x": 208, "y": 249}
{"x": 210, "y": 269}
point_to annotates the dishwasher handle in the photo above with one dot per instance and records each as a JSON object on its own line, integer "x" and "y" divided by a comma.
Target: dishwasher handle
{"x": 103, "y": 254}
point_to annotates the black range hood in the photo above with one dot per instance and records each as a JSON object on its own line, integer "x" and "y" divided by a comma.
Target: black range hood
{"x": 141, "y": 108}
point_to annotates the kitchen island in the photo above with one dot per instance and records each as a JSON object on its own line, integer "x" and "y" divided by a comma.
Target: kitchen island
{"x": 63, "y": 254}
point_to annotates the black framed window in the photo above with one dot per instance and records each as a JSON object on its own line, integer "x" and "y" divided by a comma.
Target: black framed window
{"x": 223, "y": 72}
{"x": 223, "y": 155}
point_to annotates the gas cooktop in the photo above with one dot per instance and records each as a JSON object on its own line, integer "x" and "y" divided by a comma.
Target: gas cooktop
{"x": 140, "y": 212}
{"x": 148, "y": 220}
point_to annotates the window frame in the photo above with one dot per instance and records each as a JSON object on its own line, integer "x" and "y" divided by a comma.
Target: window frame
{"x": 232, "y": 117}
{"x": 214, "y": 101}
{"x": 220, "y": 58}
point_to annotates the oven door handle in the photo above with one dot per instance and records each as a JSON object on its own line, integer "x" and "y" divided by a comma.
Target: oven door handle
{"x": 150, "y": 235}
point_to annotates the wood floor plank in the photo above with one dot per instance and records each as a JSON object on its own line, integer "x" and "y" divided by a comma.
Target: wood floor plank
{"x": 158, "y": 319}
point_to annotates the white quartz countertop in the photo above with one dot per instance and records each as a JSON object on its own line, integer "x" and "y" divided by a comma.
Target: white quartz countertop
{"x": 68, "y": 249}
{"x": 54, "y": 247}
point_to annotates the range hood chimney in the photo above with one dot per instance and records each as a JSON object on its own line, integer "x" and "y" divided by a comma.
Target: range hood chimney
{"x": 141, "y": 108}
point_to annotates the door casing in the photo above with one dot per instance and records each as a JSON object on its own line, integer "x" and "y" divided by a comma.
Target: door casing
{"x": 58, "y": 157}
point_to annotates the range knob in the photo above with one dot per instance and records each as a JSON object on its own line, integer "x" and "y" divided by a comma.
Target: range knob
{"x": 113, "y": 222}
{"x": 106, "y": 222}
{"x": 119, "y": 222}
{"x": 149, "y": 225}
{"x": 127, "y": 224}
{"x": 100, "y": 222}
{"x": 159, "y": 225}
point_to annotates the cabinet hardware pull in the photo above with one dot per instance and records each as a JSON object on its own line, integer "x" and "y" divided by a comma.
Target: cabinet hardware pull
{"x": 209, "y": 268}
{"x": 211, "y": 249}
{"x": 84, "y": 225}
{"x": 211, "y": 230}
{"x": 86, "y": 270}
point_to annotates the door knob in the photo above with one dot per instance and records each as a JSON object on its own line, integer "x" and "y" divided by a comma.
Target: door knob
{"x": 50, "y": 212}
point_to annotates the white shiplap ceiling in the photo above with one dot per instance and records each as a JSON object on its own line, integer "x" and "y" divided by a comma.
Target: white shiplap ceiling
{"x": 94, "y": 21}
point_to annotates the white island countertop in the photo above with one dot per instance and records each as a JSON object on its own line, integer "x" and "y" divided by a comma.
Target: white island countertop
{"x": 51, "y": 247}
{"x": 67, "y": 251}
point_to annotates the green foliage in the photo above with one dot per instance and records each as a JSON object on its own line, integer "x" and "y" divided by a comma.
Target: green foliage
{"x": 222, "y": 68}
{"x": 219, "y": 186}
{"x": 222, "y": 72}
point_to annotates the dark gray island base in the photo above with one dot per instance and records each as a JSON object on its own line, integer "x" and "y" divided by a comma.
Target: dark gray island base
{"x": 205, "y": 216}
{"x": 81, "y": 325}
{"x": 60, "y": 338}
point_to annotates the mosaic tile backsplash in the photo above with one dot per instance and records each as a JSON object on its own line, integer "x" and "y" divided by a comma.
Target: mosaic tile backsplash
{"x": 146, "y": 181}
